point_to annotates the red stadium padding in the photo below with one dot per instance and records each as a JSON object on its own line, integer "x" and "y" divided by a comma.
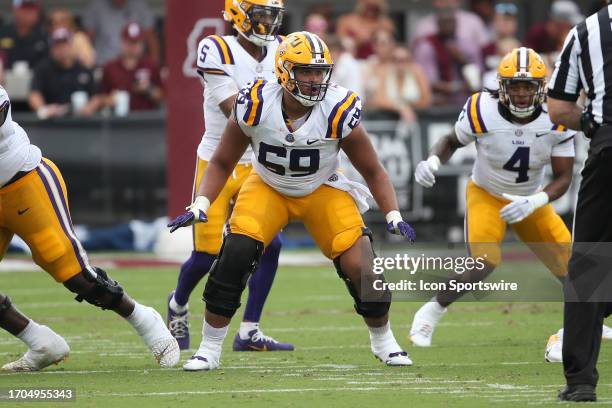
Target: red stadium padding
{"x": 187, "y": 22}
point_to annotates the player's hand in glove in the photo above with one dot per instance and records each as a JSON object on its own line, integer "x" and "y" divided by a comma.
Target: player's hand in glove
{"x": 396, "y": 225}
{"x": 521, "y": 207}
{"x": 426, "y": 170}
{"x": 196, "y": 212}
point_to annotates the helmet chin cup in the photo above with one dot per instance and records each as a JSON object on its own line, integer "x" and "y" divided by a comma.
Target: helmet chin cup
{"x": 257, "y": 40}
{"x": 303, "y": 101}
{"x": 521, "y": 112}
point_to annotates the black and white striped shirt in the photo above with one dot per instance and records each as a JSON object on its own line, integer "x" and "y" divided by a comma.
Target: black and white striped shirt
{"x": 585, "y": 63}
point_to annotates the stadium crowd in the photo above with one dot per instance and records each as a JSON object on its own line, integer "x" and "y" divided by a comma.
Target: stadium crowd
{"x": 109, "y": 58}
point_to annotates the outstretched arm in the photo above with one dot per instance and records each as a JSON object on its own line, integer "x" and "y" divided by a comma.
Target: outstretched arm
{"x": 229, "y": 151}
{"x": 441, "y": 152}
{"x": 362, "y": 155}
{"x": 231, "y": 147}
{"x": 522, "y": 207}
{"x": 563, "y": 169}
{"x": 446, "y": 147}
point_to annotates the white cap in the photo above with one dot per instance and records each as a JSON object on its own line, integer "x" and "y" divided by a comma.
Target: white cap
{"x": 566, "y": 10}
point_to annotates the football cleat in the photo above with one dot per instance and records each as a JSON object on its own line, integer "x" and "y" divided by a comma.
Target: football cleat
{"x": 257, "y": 341}
{"x": 53, "y": 352}
{"x": 158, "y": 338}
{"x": 178, "y": 324}
{"x": 554, "y": 348}
{"x": 578, "y": 393}
{"x": 201, "y": 361}
{"x": 424, "y": 323}
{"x": 395, "y": 359}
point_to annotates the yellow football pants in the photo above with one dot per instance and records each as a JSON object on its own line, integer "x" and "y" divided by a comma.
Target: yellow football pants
{"x": 543, "y": 231}
{"x": 35, "y": 207}
{"x": 208, "y": 236}
{"x": 330, "y": 215}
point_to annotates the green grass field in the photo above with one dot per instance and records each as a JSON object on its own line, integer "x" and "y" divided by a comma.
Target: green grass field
{"x": 484, "y": 354}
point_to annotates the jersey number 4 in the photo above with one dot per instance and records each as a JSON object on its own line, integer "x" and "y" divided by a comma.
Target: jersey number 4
{"x": 519, "y": 162}
{"x": 302, "y": 161}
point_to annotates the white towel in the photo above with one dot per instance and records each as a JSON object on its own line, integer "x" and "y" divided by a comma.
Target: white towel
{"x": 358, "y": 191}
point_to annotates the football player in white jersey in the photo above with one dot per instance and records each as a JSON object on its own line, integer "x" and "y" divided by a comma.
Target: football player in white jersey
{"x": 296, "y": 126}
{"x": 227, "y": 64}
{"x": 515, "y": 141}
{"x": 34, "y": 206}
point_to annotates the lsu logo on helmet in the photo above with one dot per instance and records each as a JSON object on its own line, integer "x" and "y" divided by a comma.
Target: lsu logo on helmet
{"x": 522, "y": 67}
{"x": 304, "y": 51}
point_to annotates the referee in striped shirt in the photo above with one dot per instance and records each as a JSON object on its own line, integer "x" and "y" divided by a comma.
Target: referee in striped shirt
{"x": 585, "y": 64}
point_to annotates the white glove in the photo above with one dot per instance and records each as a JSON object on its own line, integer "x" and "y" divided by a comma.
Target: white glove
{"x": 521, "y": 207}
{"x": 425, "y": 171}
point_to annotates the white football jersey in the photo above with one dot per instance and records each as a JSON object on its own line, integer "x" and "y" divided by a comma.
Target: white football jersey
{"x": 16, "y": 152}
{"x": 511, "y": 157}
{"x": 295, "y": 163}
{"x": 221, "y": 58}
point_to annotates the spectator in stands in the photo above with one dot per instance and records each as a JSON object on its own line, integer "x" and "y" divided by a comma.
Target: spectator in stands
{"x": 505, "y": 26}
{"x": 369, "y": 17}
{"x": 104, "y": 20}
{"x": 548, "y": 37}
{"x": 83, "y": 49}
{"x": 399, "y": 85}
{"x": 471, "y": 32}
{"x": 347, "y": 71}
{"x": 502, "y": 47}
{"x": 58, "y": 78}
{"x": 24, "y": 39}
{"x": 133, "y": 72}
{"x": 485, "y": 9}
{"x": 445, "y": 59}
{"x": 317, "y": 24}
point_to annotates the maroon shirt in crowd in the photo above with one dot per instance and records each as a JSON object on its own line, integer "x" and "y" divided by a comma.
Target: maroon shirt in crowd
{"x": 540, "y": 40}
{"x": 117, "y": 77}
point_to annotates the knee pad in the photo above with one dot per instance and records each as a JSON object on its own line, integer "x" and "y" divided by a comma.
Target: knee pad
{"x": 379, "y": 303}
{"x": 5, "y": 306}
{"x": 105, "y": 293}
{"x": 372, "y": 309}
{"x": 230, "y": 272}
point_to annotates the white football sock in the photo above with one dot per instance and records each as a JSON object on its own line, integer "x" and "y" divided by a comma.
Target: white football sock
{"x": 382, "y": 339}
{"x": 180, "y": 309}
{"x": 144, "y": 320}
{"x": 212, "y": 339}
{"x": 246, "y": 328}
{"x": 436, "y": 307}
{"x": 33, "y": 335}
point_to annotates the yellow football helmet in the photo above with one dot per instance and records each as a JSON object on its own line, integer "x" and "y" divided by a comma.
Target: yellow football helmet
{"x": 522, "y": 68}
{"x": 304, "y": 51}
{"x": 256, "y": 20}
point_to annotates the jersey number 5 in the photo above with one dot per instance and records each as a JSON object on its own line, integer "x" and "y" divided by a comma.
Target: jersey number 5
{"x": 519, "y": 162}
{"x": 296, "y": 158}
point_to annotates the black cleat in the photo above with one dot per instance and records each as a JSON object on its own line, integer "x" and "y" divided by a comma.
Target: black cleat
{"x": 578, "y": 393}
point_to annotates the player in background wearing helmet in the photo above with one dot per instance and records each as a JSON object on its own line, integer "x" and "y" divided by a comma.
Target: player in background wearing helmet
{"x": 34, "y": 206}
{"x": 296, "y": 126}
{"x": 515, "y": 140}
{"x": 227, "y": 64}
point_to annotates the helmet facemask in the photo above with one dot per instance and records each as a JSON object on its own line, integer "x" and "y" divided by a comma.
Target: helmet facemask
{"x": 309, "y": 93}
{"x": 522, "y": 96}
{"x": 263, "y": 23}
